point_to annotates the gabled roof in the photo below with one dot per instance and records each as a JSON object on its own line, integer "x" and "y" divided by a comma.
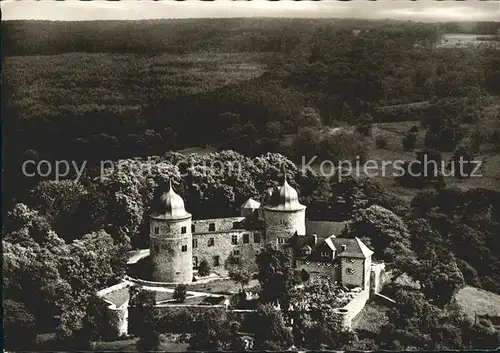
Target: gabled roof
{"x": 354, "y": 247}
{"x": 251, "y": 204}
{"x": 328, "y": 241}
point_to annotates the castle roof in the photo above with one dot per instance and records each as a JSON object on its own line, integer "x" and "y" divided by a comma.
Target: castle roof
{"x": 170, "y": 206}
{"x": 251, "y": 204}
{"x": 353, "y": 247}
{"x": 284, "y": 198}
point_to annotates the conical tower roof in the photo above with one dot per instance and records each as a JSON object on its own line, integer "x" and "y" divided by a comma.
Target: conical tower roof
{"x": 170, "y": 205}
{"x": 285, "y": 198}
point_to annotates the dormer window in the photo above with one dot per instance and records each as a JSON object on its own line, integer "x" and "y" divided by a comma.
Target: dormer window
{"x": 211, "y": 227}
{"x": 236, "y": 225}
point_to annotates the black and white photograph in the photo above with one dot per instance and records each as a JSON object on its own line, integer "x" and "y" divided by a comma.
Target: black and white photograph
{"x": 250, "y": 175}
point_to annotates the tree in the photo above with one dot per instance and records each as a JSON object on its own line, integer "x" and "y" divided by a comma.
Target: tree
{"x": 381, "y": 142}
{"x": 204, "y": 268}
{"x": 240, "y": 275}
{"x": 19, "y": 326}
{"x": 364, "y": 124}
{"x": 180, "y": 293}
{"x": 462, "y": 163}
{"x": 276, "y": 276}
{"x": 270, "y": 330}
{"x": 144, "y": 303}
{"x": 388, "y": 233}
{"x": 214, "y": 332}
{"x": 309, "y": 118}
{"x": 240, "y": 269}
{"x": 409, "y": 141}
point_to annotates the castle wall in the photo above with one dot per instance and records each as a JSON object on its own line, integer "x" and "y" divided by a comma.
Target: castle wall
{"x": 169, "y": 262}
{"x": 118, "y": 315}
{"x": 284, "y": 224}
{"x": 377, "y": 276}
{"x": 356, "y": 279}
{"x": 223, "y": 247}
{"x": 220, "y": 224}
{"x": 316, "y": 270}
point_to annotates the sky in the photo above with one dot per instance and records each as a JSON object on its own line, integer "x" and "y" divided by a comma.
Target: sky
{"x": 423, "y": 10}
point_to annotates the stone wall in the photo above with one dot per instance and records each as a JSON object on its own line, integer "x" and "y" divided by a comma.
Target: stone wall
{"x": 119, "y": 315}
{"x": 284, "y": 224}
{"x": 377, "y": 277}
{"x": 355, "y": 278}
{"x": 220, "y": 224}
{"x": 169, "y": 262}
{"x": 223, "y": 247}
{"x": 344, "y": 316}
{"x": 319, "y": 270}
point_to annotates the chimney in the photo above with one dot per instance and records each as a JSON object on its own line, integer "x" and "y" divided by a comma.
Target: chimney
{"x": 344, "y": 247}
{"x": 315, "y": 239}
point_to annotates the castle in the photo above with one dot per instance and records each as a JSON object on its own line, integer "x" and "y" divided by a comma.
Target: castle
{"x": 178, "y": 243}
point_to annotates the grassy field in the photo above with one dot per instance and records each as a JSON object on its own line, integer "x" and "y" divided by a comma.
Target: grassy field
{"x": 371, "y": 318}
{"x": 221, "y": 287}
{"x": 168, "y": 343}
{"x": 478, "y": 302}
{"x": 394, "y": 132}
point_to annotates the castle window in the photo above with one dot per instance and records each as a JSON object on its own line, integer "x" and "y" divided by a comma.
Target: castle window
{"x": 157, "y": 248}
{"x": 184, "y": 248}
{"x": 211, "y": 227}
{"x": 349, "y": 271}
{"x": 183, "y": 230}
{"x": 216, "y": 260}
{"x": 352, "y": 260}
{"x": 256, "y": 238}
{"x": 156, "y": 230}
{"x": 236, "y": 252}
{"x": 246, "y": 238}
{"x": 234, "y": 239}
{"x": 282, "y": 222}
{"x": 211, "y": 242}
{"x": 281, "y": 240}
{"x": 195, "y": 243}
{"x": 325, "y": 254}
{"x": 195, "y": 261}
{"x": 193, "y": 228}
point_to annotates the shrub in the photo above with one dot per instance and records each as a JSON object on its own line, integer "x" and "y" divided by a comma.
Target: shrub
{"x": 180, "y": 293}
{"x": 409, "y": 141}
{"x": 381, "y": 142}
{"x": 204, "y": 268}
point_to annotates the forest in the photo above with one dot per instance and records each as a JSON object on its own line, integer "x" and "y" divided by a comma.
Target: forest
{"x": 263, "y": 93}
{"x": 91, "y": 91}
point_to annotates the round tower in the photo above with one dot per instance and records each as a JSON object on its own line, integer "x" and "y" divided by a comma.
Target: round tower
{"x": 170, "y": 240}
{"x": 284, "y": 215}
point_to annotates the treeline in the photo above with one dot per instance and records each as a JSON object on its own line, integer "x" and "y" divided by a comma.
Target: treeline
{"x": 174, "y": 36}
